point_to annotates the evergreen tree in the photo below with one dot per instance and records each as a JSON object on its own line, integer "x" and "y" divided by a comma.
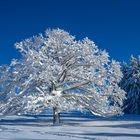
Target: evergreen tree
{"x": 131, "y": 84}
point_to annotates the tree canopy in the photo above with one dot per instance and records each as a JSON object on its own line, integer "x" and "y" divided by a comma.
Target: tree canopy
{"x": 56, "y": 70}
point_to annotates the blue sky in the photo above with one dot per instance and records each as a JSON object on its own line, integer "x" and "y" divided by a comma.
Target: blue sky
{"x": 113, "y": 25}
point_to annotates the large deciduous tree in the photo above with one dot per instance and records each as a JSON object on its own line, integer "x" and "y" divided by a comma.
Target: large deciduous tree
{"x": 58, "y": 71}
{"x": 131, "y": 84}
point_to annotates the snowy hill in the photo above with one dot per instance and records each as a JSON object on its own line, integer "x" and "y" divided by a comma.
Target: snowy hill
{"x": 74, "y": 126}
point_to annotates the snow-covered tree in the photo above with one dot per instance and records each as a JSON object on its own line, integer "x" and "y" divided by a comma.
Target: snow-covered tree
{"x": 5, "y": 83}
{"x": 60, "y": 72}
{"x": 8, "y": 90}
{"x": 131, "y": 84}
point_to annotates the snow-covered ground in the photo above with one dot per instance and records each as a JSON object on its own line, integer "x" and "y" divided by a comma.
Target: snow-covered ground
{"x": 74, "y": 126}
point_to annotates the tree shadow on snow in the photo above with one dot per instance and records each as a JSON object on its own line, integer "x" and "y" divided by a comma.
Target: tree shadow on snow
{"x": 129, "y": 126}
{"x": 104, "y": 134}
{"x": 26, "y": 122}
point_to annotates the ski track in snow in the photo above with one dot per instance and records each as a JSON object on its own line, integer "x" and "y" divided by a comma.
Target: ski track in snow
{"x": 74, "y": 126}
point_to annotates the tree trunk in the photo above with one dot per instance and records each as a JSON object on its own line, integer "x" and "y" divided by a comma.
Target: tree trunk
{"x": 56, "y": 116}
